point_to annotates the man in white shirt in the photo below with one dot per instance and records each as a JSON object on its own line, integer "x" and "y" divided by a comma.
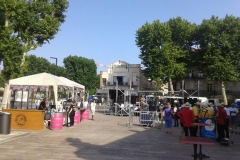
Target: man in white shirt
{"x": 233, "y": 118}
{"x": 85, "y": 104}
{"x": 37, "y": 103}
{"x": 226, "y": 128}
{"x": 93, "y": 108}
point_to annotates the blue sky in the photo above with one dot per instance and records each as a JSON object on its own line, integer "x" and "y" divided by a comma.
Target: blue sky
{"x": 104, "y": 30}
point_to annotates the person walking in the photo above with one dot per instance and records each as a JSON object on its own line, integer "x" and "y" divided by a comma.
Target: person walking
{"x": 93, "y": 108}
{"x": 37, "y": 103}
{"x": 71, "y": 113}
{"x": 233, "y": 118}
{"x": 167, "y": 114}
{"x": 175, "y": 116}
{"x": 221, "y": 122}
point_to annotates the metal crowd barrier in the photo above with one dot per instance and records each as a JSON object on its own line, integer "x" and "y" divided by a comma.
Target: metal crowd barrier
{"x": 145, "y": 118}
{"x": 117, "y": 110}
{"x": 108, "y": 110}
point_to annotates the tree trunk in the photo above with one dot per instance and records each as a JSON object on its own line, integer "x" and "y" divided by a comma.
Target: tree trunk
{"x": 6, "y": 21}
{"x": 6, "y": 97}
{"x": 171, "y": 85}
{"x": 6, "y": 93}
{"x": 224, "y": 94}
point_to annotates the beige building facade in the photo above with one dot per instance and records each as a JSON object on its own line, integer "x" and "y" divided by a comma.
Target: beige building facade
{"x": 122, "y": 79}
{"x": 195, "y": 83}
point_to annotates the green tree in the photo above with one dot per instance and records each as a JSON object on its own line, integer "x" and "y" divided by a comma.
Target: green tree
{"x": 61, "y": 71}
{"x": 40, "y": 64}
{"x": 219, "y": 49}
{"x": 160, "y": 55}
{"x": 24, "y": 25}
{"x": 2, "y": 81}
{"x": 37, "y": 65}
{"x": 182, "y": 33}
{"x": 83, "y": 71}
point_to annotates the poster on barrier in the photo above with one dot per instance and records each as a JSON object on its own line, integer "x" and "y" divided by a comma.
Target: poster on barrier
{"x": 208, "y": 131}
{"x": 21, "y": 95}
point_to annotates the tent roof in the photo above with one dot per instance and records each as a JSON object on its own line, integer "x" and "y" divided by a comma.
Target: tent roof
{"x": 70, "y": 82}
{"x": 39, "y": 79}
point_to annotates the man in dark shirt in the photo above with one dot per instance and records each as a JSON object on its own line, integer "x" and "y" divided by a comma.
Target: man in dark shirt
{"x": 42, "y": 104}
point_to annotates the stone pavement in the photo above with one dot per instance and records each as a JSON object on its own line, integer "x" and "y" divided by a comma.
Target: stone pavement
{"x": 105, "y": 138}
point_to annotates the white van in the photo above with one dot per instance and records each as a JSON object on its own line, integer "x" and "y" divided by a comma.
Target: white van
{"x": 215, "y": 102}
{"x": 237, "y": 102}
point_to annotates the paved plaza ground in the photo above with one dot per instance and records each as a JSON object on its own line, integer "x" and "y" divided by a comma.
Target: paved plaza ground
{"x": 106, "y": 138}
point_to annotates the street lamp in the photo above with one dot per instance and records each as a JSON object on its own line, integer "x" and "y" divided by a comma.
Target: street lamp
{"x": 56, "y": 64}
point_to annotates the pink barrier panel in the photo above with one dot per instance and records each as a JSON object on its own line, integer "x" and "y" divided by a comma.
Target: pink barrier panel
{"x": 85, "y": 114}
{"x": 77, "y": 117}
{"x": 56, "y": 121}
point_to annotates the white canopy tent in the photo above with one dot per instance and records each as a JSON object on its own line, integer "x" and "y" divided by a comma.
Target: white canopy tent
{"x": 73, "y": 84}
{"x": 41, "y": 79}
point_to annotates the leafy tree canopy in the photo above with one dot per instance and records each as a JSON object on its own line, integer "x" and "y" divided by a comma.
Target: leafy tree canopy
{"x": 163, "y": 48}
{"x": 24, "y": 25}
{"x": 219, "y": 41}
{"x": 83, "y": 71}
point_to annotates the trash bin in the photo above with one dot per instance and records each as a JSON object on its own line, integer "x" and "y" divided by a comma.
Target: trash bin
{"x": 5, "y": 122}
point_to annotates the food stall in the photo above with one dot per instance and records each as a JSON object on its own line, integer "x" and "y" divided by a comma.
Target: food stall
{"x": 33, "y": 119}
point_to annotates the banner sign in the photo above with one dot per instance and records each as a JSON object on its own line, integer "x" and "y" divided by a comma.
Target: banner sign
{"x": 19, "y": 95}
{"x": 44, "y": 88}
{"x": 208, "y": 131}
{"x": 33, "y": 88}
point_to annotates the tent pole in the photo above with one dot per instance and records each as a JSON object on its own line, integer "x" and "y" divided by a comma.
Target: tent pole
{"x": 27, "y": 99}
{"x": 32, "y": 98}
{"x": 21, "y": 99}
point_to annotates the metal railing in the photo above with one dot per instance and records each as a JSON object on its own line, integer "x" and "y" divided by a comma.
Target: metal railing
{"x": 145, "y": 118}
{"x": 117, "y": 110}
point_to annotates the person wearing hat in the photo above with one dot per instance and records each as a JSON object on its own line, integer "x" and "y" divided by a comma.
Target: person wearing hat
{"x": 205, "y": 113}
{"x": 233, "y": 118}
{"x": 221, "y": 120}
{"x": 181, "y": 120}
{"x": 210, "y": 108}
{"x": 195, "y": 110}
{"x": 187, "y": 119}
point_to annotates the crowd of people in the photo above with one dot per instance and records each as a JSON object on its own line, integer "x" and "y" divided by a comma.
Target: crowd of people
{"x": 75, "y": 105}
{"x": 226, "y": 118}
{"x": 185, "y": 115}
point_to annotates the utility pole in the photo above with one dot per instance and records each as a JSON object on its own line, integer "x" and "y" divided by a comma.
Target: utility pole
{"x": 129, "y": 93}
{"x": 56, "y": 65}
{"x": 198, "y": 88}
{"x": 183, "y": 90}
{"x": 116, "y": 90}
